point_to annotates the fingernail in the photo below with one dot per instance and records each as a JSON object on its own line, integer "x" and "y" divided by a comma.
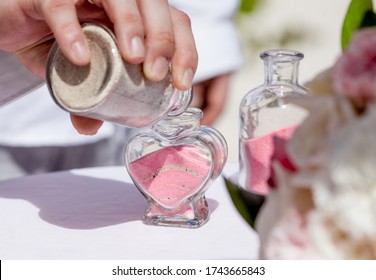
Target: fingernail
{"x": 159, "y": 69}
{"x": 80, "y": 53}
{"x": 137, "y": 47}
{"x": 187, "y": 78}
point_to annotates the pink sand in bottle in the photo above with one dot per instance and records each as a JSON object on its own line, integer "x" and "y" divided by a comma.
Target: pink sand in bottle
{"x": 258, "y": 152}
{"x": 171, "y": 174}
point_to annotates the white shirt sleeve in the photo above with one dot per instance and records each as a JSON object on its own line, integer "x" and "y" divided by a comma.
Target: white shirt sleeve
{"x": 215, "y": 35}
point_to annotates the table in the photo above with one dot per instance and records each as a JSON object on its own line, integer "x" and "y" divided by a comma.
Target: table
{"x": 96, "y": 214}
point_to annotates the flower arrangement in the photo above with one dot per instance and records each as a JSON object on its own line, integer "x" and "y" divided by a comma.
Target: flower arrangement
{"x": 321, "y": 202}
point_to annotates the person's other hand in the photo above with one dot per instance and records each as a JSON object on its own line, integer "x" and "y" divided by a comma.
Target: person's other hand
{"x": 148, "y": 32}
{"x": 210, "y": 96}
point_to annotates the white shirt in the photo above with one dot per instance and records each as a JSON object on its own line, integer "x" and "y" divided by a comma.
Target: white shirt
{"x": 35, "y": 120}
{"x": 215, "y": 35}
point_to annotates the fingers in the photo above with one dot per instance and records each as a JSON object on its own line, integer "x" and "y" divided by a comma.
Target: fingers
{"x": 84, "y": 125}
{"x": 144, "y": 33}
{"x": 61, "y": 17}
{"x": 214, "y": 95}
{"x": 154, "y": 33}
{"x": 185, "y": 59}
{"x": 128, "y": 27}
{"x": 160, "y": 41}
{"x": 198, "y": 95}
{"x": 147, "y": 31}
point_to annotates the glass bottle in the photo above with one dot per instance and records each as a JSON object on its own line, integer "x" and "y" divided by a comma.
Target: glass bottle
{"x": 172, "y": 164}
{"x": 109, "y": 88}
{"x": 266, "y": 111}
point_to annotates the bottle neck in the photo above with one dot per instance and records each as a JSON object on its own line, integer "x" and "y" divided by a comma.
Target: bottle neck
{"x": 281, "y": 66}
{"x": 173, "y": 127}
{"x": 182, "y": 103}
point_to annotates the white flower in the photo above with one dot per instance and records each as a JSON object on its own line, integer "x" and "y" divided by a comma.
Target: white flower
{"x": 327, "y": 208}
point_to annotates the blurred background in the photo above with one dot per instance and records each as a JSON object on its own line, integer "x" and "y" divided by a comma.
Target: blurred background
{"x": 312, "y": 27}
{"x": 43, "y": 139}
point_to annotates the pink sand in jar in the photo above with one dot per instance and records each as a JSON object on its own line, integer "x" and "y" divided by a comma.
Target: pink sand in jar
{"x": 258, "y": 152}
{"x": 171, "y": 174}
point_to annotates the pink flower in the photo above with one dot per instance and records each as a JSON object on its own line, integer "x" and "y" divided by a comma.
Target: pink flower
{"x": 354, "y": 74}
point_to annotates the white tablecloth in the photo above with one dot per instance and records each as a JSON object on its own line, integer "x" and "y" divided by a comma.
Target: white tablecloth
{"x": 97, "y": 213}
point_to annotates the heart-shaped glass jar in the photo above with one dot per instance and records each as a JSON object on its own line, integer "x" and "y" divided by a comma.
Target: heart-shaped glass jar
{"x": 173, "y": 164}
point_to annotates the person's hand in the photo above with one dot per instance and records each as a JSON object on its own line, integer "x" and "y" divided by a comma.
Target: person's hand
{"x": 210, "y": 96}
{"x": 148, "y": 32}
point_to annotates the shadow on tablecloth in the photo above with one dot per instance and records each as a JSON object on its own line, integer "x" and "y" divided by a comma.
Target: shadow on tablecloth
{"x": 80, "y": 202}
